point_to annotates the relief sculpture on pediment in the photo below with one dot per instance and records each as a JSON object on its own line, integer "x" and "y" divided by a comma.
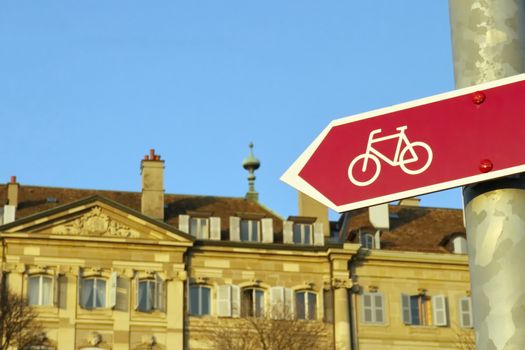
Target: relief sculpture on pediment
{"x": 96, "y": 223}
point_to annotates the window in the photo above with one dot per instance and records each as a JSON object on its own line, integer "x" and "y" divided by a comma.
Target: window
{"x": 302, "y": 233}
{"x": 424, "y": 310}
{"x": 367, "y": 240}
{"x": 199, "y": 300}
{"x": 465, "y": 312}
{"x": 199, "y": 227}
{"x": 306, "y": 305}
{"x": 93, "y": 293}
{"x": 40, "y": 290}
{"x": 250, "y": 231}
{"x": 150, "y": 294}
{"x": 460, "y": 245}
{"x": 252, "y": 302}
{"x": 373, "y": 308}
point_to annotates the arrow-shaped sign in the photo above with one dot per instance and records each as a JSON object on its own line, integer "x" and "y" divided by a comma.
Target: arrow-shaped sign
{"x": 432, "y": 144}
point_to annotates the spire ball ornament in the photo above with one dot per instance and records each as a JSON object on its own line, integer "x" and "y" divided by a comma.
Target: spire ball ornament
{"x": 251, "y": 164}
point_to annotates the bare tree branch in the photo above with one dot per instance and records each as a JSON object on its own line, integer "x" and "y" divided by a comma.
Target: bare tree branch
{"x": 19, "y": 327}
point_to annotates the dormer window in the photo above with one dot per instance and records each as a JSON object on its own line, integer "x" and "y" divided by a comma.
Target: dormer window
{"x": 251, "y": 227}
{"x": 459, "y": 245}
{"x": 250, "y": 230}
{"x": 199, "y": 227}
{"x": 303, "y": 230}
{"x": 367, "y": 240}
{"x": 302, "y": 233}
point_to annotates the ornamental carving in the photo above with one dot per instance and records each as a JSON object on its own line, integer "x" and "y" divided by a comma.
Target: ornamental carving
{"x": 95, "y": 223}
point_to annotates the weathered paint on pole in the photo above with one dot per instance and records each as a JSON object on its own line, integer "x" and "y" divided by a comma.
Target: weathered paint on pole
{"x": 488, "y": 43}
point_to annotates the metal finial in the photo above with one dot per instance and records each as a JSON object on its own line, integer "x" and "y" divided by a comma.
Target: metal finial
{"x": 251, "y": 164}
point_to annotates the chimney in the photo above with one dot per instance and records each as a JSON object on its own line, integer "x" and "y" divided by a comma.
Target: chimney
{"x": 152, "y": 170}
{"x": 410, "y": 202}
{"x": 310, "y": 207}
{"x": 12, "y": 192}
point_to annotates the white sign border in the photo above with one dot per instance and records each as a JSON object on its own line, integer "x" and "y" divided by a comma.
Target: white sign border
{"x": 292, "y": 178}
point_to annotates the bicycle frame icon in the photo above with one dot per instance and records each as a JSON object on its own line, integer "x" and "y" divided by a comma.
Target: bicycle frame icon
{"x": 406, "y": 153}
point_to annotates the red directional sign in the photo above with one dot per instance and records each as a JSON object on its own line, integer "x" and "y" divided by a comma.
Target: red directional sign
{"x": 444, "y": 141}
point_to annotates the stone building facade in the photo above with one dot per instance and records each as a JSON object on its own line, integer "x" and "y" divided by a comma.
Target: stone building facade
{"x": 149, "y": 270}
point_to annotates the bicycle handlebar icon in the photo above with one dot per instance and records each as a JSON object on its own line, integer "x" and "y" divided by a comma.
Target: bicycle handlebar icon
{"x": 410, "y": 153}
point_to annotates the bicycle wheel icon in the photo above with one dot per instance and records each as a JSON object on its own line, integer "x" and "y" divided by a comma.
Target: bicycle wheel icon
{"x": 412, "y": 153}
{"x": 364, "y": 169}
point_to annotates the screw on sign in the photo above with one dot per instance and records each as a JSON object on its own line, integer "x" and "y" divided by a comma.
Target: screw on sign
{"x": 416, "y": 148}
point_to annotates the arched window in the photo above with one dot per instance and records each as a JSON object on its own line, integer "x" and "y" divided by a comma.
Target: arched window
{"x": 200, "y": 300}
{"x": 252, "y": 302}
{"x": 306, "y": 305}
{"x": 40, "y": 290}
{"x": 93, "y": 293}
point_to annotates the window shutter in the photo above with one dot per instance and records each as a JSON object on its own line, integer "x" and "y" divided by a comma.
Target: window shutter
{"x": 465, "y": 312}
{"x": 318, "y": 233}
{"x": 56, "y": 290}
{"x": 80, "y": 299}
{"x": 267, "y": 230}
{"x": 287, "y": 232}
{"x": 161, "y": 293}
{"x": 235, "y": 228}
{"x": 277, "y": 302}
{"x": 439, "y": 309}
{"x": 215, "y": 228}
{"x": 122, "y": 294}
{"x": 224, "y": 307}
{"x": 235, "y": 301}
{"x": 379, "y": 308}
{"x": 184, "y": 223}
{"x": 112, "y": 290}
{"x": 377, "y": 240}
{"x": 288, "y": 303}
{"x": 405, "y": 309}
{"x": 136, "y": 306}
{"x": 367, "y": 307}
{"x": 328, "y": 303}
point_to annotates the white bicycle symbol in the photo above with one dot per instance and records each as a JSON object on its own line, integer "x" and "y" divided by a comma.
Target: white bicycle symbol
{"x": 410, "y": 153}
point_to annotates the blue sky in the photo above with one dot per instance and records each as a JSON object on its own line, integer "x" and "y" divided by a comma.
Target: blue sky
{"x": 88, "y": 87}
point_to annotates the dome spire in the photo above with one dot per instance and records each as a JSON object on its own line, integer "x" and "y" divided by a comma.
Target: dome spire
{"x": 251, "y": 164}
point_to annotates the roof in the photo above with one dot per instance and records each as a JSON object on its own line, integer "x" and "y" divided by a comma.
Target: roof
{"x": 412, "y": 228}
{"x": 35, "y": 199}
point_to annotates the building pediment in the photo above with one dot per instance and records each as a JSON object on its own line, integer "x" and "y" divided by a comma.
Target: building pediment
{"x": 97, "y": 217}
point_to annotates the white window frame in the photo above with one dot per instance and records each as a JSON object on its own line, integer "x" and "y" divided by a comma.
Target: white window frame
{"x": 373, "y": 307}
{"x": 310, "y": 311}
{"x": 158, "y": 293}
{"x": 299, "y": 232}
{"x": 199, "y": 227}
{"x": 94, "y": 290}
{"x": 439, "y": 310}
{"x": 468, "y": 312}
{"x": 367, "y": 240}
{"x": 199, "y": 288}
{"x": 256, "y": 309}
{"x": 40, "y": 285}
{"x": 250, "y": 233}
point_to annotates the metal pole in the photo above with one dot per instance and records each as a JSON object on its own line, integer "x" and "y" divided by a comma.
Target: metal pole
{"x": 488, "y": 40}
